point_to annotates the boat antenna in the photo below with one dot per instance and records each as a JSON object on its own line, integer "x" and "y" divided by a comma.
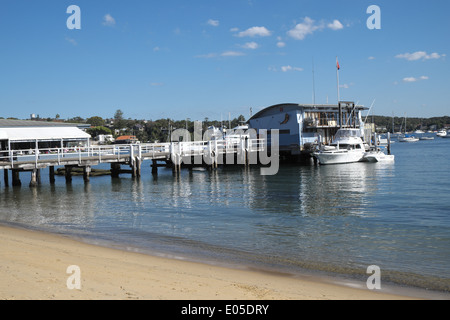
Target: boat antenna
{"x": 365, "y": 120}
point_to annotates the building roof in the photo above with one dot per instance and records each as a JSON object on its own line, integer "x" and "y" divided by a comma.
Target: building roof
{"x": 22, "y": 134}
{"x": 126, "y": 138}
{"x": 8, "y": 123}
{"x": 295, "y": 106}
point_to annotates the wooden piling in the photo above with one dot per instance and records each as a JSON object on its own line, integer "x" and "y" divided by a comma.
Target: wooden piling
{"x": 86, "y": 173}
{"x": 115, "y": 170}
{"x": 16, "y": 178}
{"x": 68, "y": 174}
{"x": 34, "y": 178}
{"x": 6, "y": 177}
{"x": 51, "y": 173}
{"x": 154, "y": 167}
{"x": 137, "y": 164}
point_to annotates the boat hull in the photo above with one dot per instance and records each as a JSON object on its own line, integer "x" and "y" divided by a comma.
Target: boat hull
{"x": 378, "y": 157}
{"x": 338, "y": 157}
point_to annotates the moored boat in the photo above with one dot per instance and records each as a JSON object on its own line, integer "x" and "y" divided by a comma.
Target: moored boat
{"x": 347, "y": 147}
{"x": 442, "y": 133}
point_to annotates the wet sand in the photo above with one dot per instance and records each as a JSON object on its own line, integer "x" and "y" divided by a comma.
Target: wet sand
{"x": 34, "y": 266}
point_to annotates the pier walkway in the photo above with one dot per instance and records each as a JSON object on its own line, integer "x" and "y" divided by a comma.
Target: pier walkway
{"x": 209, "y": 153}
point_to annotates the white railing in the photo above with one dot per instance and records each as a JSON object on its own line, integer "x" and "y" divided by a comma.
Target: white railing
{"x": 109, "y": 153}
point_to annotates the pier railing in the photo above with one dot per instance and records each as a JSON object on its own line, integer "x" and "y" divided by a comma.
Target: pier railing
{"x": 42, "y": 157}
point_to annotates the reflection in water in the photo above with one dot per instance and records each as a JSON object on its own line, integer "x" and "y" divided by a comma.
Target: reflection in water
{"x": 331, "y": 218}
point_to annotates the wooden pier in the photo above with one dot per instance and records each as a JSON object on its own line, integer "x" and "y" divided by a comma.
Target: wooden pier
{"x": 175, "y": 154}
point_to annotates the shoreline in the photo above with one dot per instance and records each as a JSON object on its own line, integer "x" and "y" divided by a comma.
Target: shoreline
{"x": 34, "y": 267}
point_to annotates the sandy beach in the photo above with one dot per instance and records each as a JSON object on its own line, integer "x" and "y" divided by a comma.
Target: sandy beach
{"x": 34, "y": 266}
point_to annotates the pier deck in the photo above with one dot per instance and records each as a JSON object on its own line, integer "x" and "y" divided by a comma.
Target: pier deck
{"x": 175, "y": 153}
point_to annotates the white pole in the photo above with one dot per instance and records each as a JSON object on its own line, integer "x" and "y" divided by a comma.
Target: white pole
{"x": 337, "y": 76}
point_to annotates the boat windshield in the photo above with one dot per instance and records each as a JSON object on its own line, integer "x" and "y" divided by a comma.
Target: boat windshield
{"x": 347, "y": 133}
{"x": 346, "y": 146}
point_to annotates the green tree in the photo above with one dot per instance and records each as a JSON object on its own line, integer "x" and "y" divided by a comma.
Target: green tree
{"x": 119, "y": 122}
{"x": 96, "y": 131}
{"x": 95, "y": 121}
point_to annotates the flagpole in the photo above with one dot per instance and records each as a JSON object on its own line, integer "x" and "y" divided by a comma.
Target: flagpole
{"x": 337, "y": 76}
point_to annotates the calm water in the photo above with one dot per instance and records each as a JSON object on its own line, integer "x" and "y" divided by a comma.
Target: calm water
{"x": 335, "y": 220}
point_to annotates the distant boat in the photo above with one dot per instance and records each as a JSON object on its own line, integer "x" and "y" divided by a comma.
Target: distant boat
{"x": 426, "y": 138}
{"x": 442, "y": 133}
{"x": 347, "y": 147}
{"x": 446, "y": 136}
{"x": 407, "y": 138}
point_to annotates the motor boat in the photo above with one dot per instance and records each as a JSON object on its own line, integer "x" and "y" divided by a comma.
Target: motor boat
{"x": 407, "y": 138}
{"x": 377, "y": 156}
{"x": 426, "y": 138}
{"x": 442, "y": 133}
{"x": 347, "y": 147}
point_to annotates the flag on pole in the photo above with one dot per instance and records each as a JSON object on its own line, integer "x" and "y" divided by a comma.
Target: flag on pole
{"x": 337, "y": 64}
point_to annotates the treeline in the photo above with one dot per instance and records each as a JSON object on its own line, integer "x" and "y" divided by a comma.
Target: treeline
{"x": 146, "y": 130}
{"x": 385, "y": 124}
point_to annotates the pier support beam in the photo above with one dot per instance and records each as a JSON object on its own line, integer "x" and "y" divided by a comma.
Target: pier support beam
{"x": 68, "y": 174}
{"x": 51, "y": 174}
{"x": 6, "y": 177}
{"x": 115, "y": 170}
{"x": 16, "y": 178}
{"x": 136, "y": 168}
{"x": 86, "y": 173}
{"x": 34, "y": 178}
{"x": 154, "y": 167}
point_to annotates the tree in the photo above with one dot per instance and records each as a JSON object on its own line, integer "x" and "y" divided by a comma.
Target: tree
{"x": 118, "y": 119}
{"x": 96, "y": 131}
{"x": 95, "y": 121}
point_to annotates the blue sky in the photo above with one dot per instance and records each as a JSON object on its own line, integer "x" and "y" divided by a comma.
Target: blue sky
{"x": 209, "y": 58}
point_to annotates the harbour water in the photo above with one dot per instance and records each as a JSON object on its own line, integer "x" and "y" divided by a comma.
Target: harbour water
{"x": 329, "y": 220}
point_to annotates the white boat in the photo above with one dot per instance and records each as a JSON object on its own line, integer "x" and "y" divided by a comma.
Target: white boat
{"x": 347, "y": 147}
{"x": 442, "y": 133}
{"x": 426, "y": 138}
{"x": 406, "y": 138}
{"x": 446, "y": 136}
{"x": 378, "y": 156}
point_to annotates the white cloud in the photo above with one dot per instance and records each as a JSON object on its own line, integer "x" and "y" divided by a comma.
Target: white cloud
{"x": 214, "y": 23}
{"x": 251, "y": 45}
{"x": 232, "y": 54}
{"x": 108, "y": 20}
{"x": 72, "y": 41}
{"x": 309, "y": 26}
{"x": 301, "y": 30}
{"x": 371, "y": 58}
{"x": 255, "y": 32}
{"x": 207, "y": 56}
{"x": 223, "y": 54}
{"x": 290, "y": 68}
{"x": 335, "y": 25}
{"x": 418, "y": 55}
{"x": 413, "y": 79}
{"x": 280, "y": 43}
